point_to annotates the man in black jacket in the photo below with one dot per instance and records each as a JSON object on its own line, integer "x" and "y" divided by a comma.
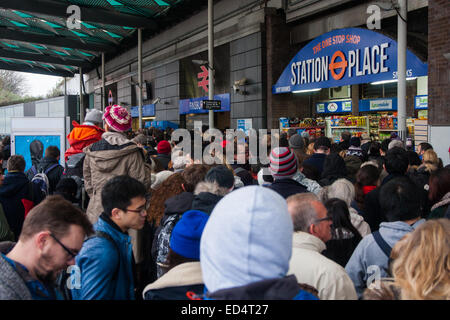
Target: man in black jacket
{"x": 16, "y": 189}
{"x": 283, "y": 166}
{"x": 51, "y": 167}
{"x": 396, "y": 164}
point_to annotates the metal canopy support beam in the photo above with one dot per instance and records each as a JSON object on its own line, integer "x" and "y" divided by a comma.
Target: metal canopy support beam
{"x": 81, "y": 97}
{"x": 211, "y": 58}
{"x": 53, "y": 40}
{"x": 401, "y": 68}
{"x": 96, "y": 15}
{"x": 140, "y": 75}
{"x": 103, "y": 82}
{"x": 37, "y": 70}
{"x": 43, "y": 58}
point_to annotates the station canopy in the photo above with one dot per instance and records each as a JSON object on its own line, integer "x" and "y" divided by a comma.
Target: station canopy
{"x": 57, "y": 37}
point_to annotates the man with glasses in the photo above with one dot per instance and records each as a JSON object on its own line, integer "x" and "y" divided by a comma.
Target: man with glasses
{"x": 51, "y": 237}
{"x": 312, "y": 229}
{"x": 106, "y": 260}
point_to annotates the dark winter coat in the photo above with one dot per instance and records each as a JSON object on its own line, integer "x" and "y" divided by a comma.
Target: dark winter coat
{"x": 316, "y": 160}
{"x": 372, "y": 210}
{"x": 441, "y": 208}
{"x": 340, "y": 250}
{"x": 164, "y": 159}
{"x": 287, "y": 187}
{"x": 286, "y": 288}
{"x": 175, "y": 207}
{"x": 333, "y": 169}
{"x": 16, "y": 187}
{"x": 421, "y": 178}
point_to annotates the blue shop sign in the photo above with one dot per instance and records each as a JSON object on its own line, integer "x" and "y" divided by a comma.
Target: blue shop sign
{"x": 188, "y": 106}
{"x": 334, "y": 106}
{"x": 384, "y": 104}
{"x": 421, "y": 102}
{"x": 147, "y": 111}
{"x": 345, "y": 57}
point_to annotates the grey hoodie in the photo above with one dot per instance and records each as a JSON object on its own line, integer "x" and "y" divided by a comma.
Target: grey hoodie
{"x": 368, "y": 253}
{"x": 248, "y": 238}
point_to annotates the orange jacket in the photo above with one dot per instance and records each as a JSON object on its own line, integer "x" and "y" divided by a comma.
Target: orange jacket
{"x": 82, "y": 136}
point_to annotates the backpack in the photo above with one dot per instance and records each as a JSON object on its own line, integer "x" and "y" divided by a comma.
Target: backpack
{"x": 41, "y": 180}
{"x": 61, "y": 282}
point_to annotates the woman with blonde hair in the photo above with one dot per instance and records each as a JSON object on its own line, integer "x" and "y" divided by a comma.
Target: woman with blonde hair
{"x": 421, "y": 266}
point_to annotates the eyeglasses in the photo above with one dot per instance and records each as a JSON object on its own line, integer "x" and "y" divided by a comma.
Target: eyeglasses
{"x": 324, "y": 219}
{"x": 144, "y": 209}
{"x": 70, "y": 252}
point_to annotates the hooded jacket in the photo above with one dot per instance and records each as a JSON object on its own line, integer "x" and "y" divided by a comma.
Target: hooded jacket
{"x": 311, "y": 267}
{"x": 112, "y": 156}
{"x": 82, "y": 136}
{"x": 16, "y": 187}
{"x": 254, "y": 252}
{"x": 316, "y": 160}
{"x": 176, "y": 283}
{"x": 368, "y": 253}
{"x": 106, "y": 269}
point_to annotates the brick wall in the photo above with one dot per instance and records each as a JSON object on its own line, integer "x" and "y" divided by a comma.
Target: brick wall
{"x": 438, "y": 65}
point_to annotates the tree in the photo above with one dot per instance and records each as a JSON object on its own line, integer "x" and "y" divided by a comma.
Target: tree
{"x": 12, "y": 82}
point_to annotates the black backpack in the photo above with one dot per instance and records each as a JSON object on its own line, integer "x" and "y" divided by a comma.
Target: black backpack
{"x": 65, "y": 277}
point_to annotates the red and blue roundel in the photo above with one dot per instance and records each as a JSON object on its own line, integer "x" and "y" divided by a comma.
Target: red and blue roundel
{"x": 344, "y": 57}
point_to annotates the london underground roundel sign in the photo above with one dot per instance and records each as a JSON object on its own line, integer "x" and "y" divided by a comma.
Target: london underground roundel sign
{"x": 344, "y": 57}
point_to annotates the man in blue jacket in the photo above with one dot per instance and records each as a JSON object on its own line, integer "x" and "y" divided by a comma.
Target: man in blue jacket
{"x": 106, "y": 260}
{"x": 371, "y": 257}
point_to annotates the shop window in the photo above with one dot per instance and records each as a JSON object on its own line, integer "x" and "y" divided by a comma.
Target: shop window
{"x": 370, "y": 91}
{"x": 340, "y": 92}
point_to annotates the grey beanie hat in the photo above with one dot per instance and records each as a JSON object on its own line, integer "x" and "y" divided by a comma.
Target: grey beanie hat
{"x": 296, "y": 142}
{"x": 94, "y": 115}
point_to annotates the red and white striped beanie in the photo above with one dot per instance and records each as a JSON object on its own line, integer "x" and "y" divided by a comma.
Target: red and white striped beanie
{"x": 283, "y": 163}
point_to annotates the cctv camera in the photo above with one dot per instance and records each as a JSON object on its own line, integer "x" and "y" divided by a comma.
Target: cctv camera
{"x": 236, "y": 88}
{"x": 157, "y": 100}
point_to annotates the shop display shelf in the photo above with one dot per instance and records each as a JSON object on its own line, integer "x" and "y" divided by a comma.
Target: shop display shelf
{"x": 348, "y": 127}
{"x": 387, "y": 129}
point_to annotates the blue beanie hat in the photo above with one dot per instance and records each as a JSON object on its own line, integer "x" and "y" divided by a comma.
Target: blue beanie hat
{"x": 185, "y": 238}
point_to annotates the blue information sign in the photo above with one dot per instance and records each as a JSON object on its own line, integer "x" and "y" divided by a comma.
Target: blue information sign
{"x": 384, "y": 104}
{"x": 334, "y": 106}
{"x": 147, "y": 111}
{"x": 195, "y": 105}
{"x": 421, "y": 102}
{"x": 345, "y": 57}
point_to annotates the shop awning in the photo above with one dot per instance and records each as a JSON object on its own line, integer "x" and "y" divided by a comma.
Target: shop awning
{"x": 345, "y": 57}
{"x": 57, "y": 37}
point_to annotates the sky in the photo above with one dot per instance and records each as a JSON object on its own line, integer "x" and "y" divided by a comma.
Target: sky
{"x": 38, "y": 84}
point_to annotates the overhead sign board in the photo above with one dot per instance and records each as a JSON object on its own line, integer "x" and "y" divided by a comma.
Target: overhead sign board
{"x": 384, "y": 104}
{"x": 334, "y": 106}
{"x": 211, "y": 104}
{"x": 345, "y": 57}
{"x": 195, "y": 105}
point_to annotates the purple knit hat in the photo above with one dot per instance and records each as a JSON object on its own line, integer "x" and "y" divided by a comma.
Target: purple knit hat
{"x": 118, "y": 118}
{"x": 283, "y": 163}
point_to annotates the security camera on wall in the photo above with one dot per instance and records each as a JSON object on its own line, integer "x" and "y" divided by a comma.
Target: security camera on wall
{"x": 237, "y": 86}
{"x": 157, "y": 100}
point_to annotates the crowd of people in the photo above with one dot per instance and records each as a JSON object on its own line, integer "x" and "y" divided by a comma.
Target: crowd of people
{"x": 131, "y": 215}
